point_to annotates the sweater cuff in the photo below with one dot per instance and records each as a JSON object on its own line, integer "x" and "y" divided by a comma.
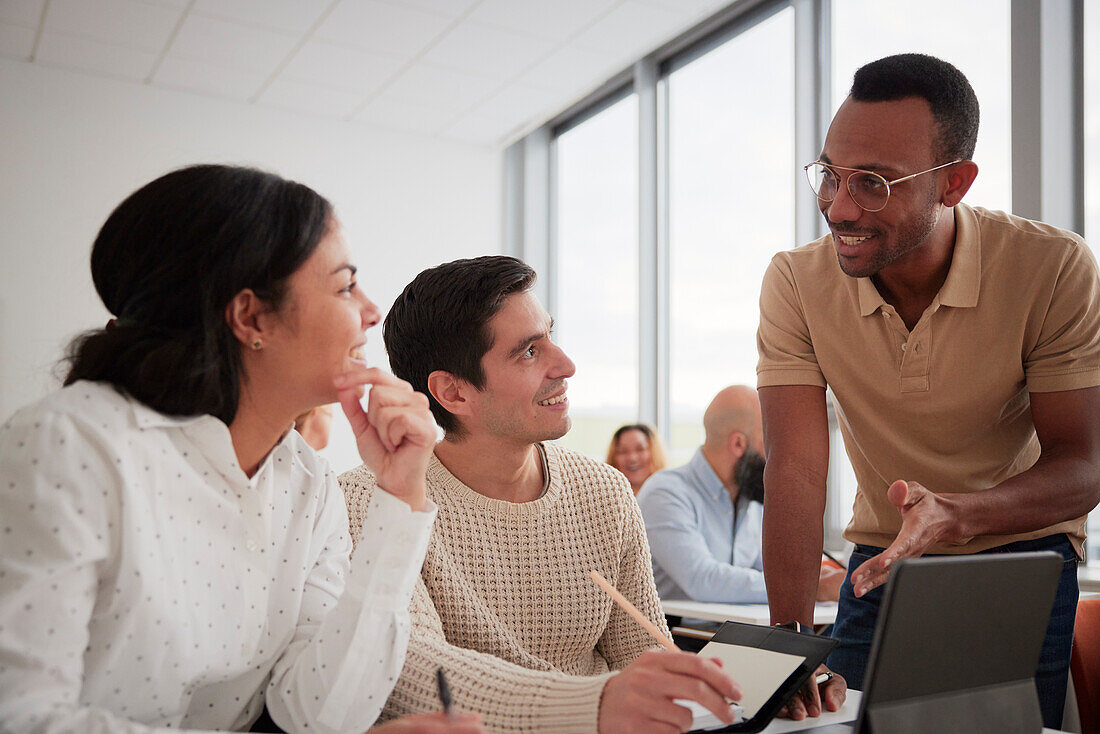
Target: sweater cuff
{"x": 572, "y": 703}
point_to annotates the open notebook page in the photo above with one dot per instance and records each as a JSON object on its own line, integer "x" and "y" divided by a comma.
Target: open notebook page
{"x": 758, "y": 672}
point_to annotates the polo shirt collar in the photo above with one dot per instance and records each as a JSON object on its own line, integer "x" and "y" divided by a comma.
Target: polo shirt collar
{"x": 705, "y": 476}
{"x": 869, "y": 298}
{"x": 963, "y": 278}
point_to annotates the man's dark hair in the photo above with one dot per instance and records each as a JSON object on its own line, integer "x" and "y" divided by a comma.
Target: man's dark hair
{"x": 945, "y": 88}
{"x": 168, "y": 261}
{"x": 441, "y": 322}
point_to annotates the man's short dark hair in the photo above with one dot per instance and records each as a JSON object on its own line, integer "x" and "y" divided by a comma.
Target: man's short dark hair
{"x": 945, "y": 88}
{"x": 441, "y": 322}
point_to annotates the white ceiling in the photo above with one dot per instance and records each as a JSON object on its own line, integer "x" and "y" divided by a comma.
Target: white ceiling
{"x": 480, "y": 71}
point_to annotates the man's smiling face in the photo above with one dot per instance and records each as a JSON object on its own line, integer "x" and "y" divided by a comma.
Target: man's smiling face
{"x": 893, "y": 139}
{"x": 523, "y": 399}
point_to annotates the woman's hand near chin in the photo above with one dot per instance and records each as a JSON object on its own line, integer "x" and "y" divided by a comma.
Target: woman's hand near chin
{"x": 395, "y": 434}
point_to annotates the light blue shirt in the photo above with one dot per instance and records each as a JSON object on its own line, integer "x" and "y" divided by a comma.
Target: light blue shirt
{"x": 697, "y": 552}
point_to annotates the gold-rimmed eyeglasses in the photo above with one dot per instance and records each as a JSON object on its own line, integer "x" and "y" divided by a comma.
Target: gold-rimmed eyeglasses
{"x": 869, "y": 190}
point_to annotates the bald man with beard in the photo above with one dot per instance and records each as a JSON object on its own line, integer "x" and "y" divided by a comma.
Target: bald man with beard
{"x": 704, "y": 519}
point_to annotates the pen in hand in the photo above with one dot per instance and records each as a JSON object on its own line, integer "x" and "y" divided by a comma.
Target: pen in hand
{"x": 444, "y": 693}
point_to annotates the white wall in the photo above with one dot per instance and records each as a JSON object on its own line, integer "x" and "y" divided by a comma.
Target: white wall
{"x": 73, "y": 146}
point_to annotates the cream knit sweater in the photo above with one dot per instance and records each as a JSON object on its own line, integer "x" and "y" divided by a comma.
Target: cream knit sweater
{"x": 505, "y": 604}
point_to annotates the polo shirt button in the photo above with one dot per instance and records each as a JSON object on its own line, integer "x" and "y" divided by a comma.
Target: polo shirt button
{"x": 252, "y": 546}
{"x": 885, "y": 315}
{"x": 904, "y": 347}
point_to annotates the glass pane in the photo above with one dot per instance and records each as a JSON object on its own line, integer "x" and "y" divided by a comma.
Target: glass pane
{"x": 732, "y": 175}
{"x": 976, "y": 40}
{"x": 597, "y": 259}
{"x": 1092, "y": 184}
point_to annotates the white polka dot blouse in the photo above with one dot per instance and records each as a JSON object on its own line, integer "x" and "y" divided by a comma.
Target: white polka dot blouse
{"x": 147, "y": 583}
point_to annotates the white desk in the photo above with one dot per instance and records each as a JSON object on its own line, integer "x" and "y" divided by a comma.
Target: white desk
{"x": 824, "y": 612}
{"x": 848, "y": 712}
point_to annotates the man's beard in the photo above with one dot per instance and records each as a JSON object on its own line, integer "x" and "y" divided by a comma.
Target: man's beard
{"x": 909, "y": 235}
{"x": 748, "y": 475}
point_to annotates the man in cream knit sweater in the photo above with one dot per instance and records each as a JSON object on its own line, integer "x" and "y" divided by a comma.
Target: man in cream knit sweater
{"x": 504, "y": 603}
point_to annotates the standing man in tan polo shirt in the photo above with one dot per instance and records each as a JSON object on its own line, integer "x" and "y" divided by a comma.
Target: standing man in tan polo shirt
{"x": 963, "y": 349}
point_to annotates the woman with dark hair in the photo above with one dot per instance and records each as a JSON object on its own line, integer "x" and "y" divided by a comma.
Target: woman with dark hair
{"x": 636, "y": 451}
{"x": 172, "y": 554}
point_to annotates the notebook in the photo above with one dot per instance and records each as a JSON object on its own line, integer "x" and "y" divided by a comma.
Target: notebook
{"x": 770, "y": 664}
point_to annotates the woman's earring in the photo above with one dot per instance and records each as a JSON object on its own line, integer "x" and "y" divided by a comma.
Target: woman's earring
{"x": 257, "y": 345}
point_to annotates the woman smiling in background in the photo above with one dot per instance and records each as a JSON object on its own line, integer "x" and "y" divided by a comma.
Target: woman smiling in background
{"x": 636, "y": 451}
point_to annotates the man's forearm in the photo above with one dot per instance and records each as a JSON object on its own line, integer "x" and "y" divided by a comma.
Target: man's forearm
{"x": 793, "y": 540}
{"x": 1057, "y": 488}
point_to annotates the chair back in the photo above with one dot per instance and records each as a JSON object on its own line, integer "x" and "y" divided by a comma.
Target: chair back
{"x": 1085, "y": 664}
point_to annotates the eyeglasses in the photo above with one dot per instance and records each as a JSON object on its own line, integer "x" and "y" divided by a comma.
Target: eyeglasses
{"x": 869, "y": 190}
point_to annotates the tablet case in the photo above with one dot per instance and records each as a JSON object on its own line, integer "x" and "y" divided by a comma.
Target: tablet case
{"x": 813, "y": 648}
{"x": 975, "y": 675}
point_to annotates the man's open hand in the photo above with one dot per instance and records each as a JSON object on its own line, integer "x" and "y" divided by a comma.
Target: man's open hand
{"x": 926, "y": 518}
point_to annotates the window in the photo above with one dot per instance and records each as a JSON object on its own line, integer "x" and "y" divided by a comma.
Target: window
{"x": 597, "y": 272}
{"x": 1092, "y": 126}
{"x": 731, "y": 194}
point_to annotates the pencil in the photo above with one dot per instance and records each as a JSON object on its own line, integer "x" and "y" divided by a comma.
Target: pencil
{"x": 632, "y": 610}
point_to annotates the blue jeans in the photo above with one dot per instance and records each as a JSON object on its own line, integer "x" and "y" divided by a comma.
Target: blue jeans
{"x": 855, "y": 626}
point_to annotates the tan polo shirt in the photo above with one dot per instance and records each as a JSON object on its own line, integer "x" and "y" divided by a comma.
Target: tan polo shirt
{"x": 947, "y": 404}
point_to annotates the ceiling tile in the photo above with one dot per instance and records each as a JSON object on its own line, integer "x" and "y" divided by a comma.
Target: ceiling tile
{"x": 449, "y": 8}
{"x": 396, "y": 114}
{"x": 516, "y": 105}
{"x": 16, "y": 42}
{"x": 556, "y": 20}
{"x": 177, "y": 4}
{"x": 59, "y": 49}
{"x": 477, "y": 129}
{"x": 487, "y": 51}
{"x": 693, "y": 7}
{"x": 27, "y": 13}
{"x": 632, "y": 29}
{"x": 121, "y": 22}
{"x": 341, "y": 67}
{"x": 572, "y": 70}
{"x": 310, "y": 98}
{"x": 207, "y": 78}
{"x": 295, "y": 16}
{"x": 442, "y": 89}
{"x": 395, "y": 30}
{"x": 231, "y": 44}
